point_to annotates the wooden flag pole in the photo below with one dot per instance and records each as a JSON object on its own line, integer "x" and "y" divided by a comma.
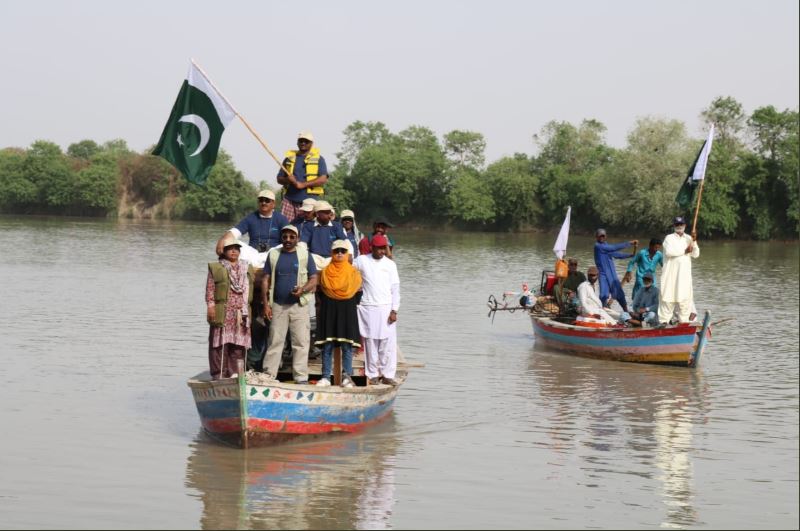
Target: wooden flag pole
{"x": 246, "y": 124}
{"x": 697, "y": 209}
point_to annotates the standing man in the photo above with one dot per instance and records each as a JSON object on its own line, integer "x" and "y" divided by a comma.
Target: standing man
{"x": 645, "y": 261}
{"x": 377, "y": 313}
{"x": 308, "y": 173}
{"x": 677, "y": 293}
{"x": 306, "y": 214}
{"x": 289, "y": 277}
{"x": 322, "y": 233}
{"x": 604, "y": 254}
{"x": 379, "y": 226}
{"x": 263, "y": 225}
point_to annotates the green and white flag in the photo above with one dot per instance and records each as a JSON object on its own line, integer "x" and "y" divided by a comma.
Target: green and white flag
{"x": 696, "y": 173}
{"x": 191, "y": 138}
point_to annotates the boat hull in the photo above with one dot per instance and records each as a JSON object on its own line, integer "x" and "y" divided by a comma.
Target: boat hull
{"x": 250, "y": 415}
{"x": 674, "y": 345}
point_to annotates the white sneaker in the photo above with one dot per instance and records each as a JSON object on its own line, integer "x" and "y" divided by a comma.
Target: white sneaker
{"x": 347, "y": 382}
{"x": 324, "y": 382}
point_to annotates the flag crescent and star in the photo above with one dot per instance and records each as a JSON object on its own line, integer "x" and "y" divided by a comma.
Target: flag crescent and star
{"x": 192, "y": 136}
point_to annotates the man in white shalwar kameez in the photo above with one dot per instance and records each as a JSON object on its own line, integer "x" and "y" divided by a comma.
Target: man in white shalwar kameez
{"x": 377, "y": 312}
{"x": 589, "y": 301}
{"x": 677, "y": 293}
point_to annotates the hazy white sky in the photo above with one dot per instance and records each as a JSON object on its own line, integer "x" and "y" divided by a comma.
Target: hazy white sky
{"x": 112, "y": 69}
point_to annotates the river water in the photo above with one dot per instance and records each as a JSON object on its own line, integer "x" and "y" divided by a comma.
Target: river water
{"x": 105, "y": 321}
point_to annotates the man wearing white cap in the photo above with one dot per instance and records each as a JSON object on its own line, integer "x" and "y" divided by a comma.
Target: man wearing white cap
{"x": 263, "y": 225}
{"x": 322, "y": 233}
{"x": 307, "y": 175}
{"x": 306, "y": 214}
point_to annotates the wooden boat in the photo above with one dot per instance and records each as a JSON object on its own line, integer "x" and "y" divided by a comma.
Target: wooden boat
{"x": 679, "y": 345}
{"x": 248, "y": 412}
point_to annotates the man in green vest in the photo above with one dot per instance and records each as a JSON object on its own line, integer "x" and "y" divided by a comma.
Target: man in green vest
{"x": 290, "y": 277}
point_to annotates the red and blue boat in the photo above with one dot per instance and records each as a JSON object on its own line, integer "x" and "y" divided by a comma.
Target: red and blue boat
{"x": 246, "y": 412}
{"x": 680, "y": 345}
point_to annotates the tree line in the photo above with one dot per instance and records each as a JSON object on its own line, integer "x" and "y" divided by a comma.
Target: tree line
{"x": 414, "y": 177}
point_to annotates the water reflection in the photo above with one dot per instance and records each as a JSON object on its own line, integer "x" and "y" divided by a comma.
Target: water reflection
{"x": 628, "y": 419}
{"x": 342, "y": 482}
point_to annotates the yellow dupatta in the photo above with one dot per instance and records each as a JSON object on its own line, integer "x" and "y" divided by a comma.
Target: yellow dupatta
{"x": 340, "y": 280}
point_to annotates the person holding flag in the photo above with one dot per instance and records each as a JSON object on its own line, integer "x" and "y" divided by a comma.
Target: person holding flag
{"x": 303, "y": 174}
{"x": 677, "y": 293}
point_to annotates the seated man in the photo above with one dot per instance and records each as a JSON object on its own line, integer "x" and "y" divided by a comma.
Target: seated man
{"x": 589, "y": 301}
{"x": 645, "y": 303}
{"x": 567, "y": 292}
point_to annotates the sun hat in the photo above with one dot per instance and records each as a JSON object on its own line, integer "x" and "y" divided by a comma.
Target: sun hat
{"x": 322, "y": 205}
{"x": 291, "y": 228}
{"x": 305, "y": 134}
{"x": 382, "y": 221}
{"x": 340, "y": 244}
{"x": 348, "y": 214}
{"x": 230, "y": 240}
{"x": 269, "y": 194}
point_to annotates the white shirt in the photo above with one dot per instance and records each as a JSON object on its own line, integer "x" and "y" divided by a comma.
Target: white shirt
{"x": 589, "y": 300}
{"x": 676, "y": 275}
{"x": 380, "y": 281}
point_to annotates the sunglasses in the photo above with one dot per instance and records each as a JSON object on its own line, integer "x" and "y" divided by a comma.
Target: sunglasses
{"x": 340, "y": 251}
{"x": 303, "y": 141}
{"x": 264, "y": 200}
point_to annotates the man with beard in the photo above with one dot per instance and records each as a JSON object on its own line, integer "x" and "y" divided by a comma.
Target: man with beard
{"x": 677, "y": 293}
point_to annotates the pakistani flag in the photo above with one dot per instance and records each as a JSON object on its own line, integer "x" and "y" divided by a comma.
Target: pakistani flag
{"x": 191, "y": 138}
{"x": 696, "y": 174}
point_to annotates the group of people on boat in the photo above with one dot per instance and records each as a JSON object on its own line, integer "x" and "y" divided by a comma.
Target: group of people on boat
{"x": 259, "y": 295}
{"x": 590, "y": 296}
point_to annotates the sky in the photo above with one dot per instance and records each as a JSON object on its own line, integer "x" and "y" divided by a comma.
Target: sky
{"x": 103, "y": 70}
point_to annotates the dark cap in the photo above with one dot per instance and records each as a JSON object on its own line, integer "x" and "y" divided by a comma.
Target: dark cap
{"x": 382, "y": 221}
{"x": 647, "y": 275}
{"x": 679, "y": 221}
{"x": 599, "y": 232}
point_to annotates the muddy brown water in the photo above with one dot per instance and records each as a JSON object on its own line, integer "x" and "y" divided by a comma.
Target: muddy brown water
{"x": 104, "y": 322}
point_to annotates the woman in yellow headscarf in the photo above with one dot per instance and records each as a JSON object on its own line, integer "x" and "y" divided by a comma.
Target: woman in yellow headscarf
{"x": 337, "y": 324}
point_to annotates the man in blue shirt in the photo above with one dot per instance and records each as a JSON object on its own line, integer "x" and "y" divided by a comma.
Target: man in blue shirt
{"x": 322, "y": 233}
{"x": 307, "y": 175}
{"x": 645, "y": 261}
{"x": 263, "y": 225}
{"x": 351, "y": 230}
{"x": 290, "y": 277}
{"x": 604, "y": 254}
{"x": 306, "y": 215}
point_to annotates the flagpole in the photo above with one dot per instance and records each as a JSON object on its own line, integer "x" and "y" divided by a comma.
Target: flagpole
{"x": 245, "y": 122}
{"x": 697, "y": 209}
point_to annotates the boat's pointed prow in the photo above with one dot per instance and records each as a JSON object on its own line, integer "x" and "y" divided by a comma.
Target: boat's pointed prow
{"x": 702, "y": 339}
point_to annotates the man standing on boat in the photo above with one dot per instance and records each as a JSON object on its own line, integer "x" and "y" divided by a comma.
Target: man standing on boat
{"x": 308, "y": 173}
{"x": 379, "y": 226}
{"x": 377, "y": 312}
{"x": 604, "y": 254}
{"x": 290, "y": 277}
{"x": 263, "y": 226}
{"x": 645, "y": 262}
{"x": 677, "y": 293}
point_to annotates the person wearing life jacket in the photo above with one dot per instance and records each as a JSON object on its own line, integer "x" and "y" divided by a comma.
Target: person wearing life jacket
{"x": 290, "y": 277}
{"x": 307, "y": 175}
{"x": 229, "y": 293}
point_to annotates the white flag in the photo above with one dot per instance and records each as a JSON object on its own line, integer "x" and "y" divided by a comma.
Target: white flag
{"x": 702, "y": 160}
{"x": 560, "y": 247}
